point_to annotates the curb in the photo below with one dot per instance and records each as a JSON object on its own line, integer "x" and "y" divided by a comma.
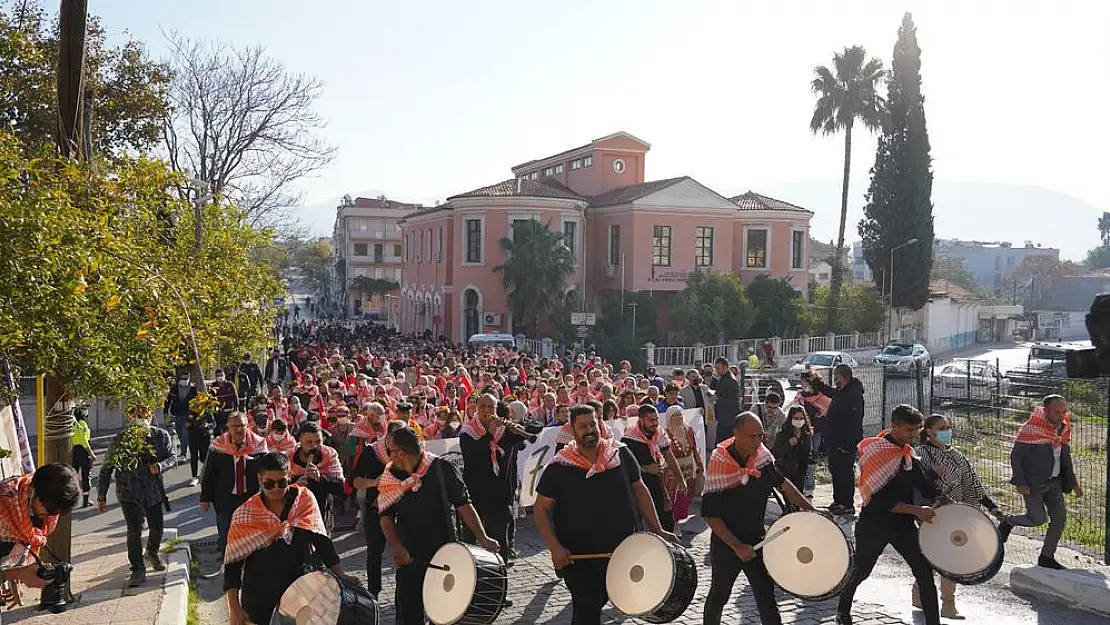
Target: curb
{"x": 175, "y": 587}
{"x": 1085, "y": 589}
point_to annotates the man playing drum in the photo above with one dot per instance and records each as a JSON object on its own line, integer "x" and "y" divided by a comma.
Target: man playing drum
{"x": 740, "y": 478}
{"x": 889, "y": 476}
{"x": 586, "y": 503}
{"x": 415, "y": 518}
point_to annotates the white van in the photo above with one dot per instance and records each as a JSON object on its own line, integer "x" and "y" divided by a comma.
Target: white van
{"x": 492, "y": 340}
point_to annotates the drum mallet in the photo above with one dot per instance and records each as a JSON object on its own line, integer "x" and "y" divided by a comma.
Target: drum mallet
{"x": 763, "y": 543}
{"x": 590, "y": 556}
{"x": 439, "y": 567}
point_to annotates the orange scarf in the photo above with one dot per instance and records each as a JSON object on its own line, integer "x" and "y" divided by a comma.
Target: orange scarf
{"x": 725, "y": 472}
{"x": 15, "y": 518}
{"x": 608, "y": 457}
{"x": 284, "y": 446}
{"x": 391, "y": 489}
{"x": 474, "y": 429}
{"x": 1038, "y": 430}
{"x": 565, "y": 435}
{"x": 656, "y": 444}
{"x": 254, "y": 526}
{"x": 879, "y": 461}
{"x": 253, "y": 444}
{"x": 329, "y": 466}
{"x": 365, "y": 429}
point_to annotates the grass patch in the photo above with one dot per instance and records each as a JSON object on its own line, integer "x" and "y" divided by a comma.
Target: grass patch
{"x": 172, "y": 545}
{"x": 192, "y": 613}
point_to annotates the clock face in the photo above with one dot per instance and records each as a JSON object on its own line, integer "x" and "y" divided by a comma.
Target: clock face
{"x": 618, "y": 166}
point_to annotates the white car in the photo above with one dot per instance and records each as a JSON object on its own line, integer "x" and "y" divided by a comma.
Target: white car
{"x": 971, "y": 381}
{"x": 818, "y": 361}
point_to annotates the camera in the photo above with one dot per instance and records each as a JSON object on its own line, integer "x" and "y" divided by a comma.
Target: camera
{"x": 56, "y": 595}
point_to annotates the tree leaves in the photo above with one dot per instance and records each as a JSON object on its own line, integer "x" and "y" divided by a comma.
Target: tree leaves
{"x": 535, "y": 273}
{"x": 713, "y": 308}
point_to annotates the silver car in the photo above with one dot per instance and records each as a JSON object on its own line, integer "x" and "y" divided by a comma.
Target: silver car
{"x": 900, "y": 358}
{"x": 816, "y": 361}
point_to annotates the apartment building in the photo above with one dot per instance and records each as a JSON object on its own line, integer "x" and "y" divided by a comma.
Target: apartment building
{"x": 367, "y": 244}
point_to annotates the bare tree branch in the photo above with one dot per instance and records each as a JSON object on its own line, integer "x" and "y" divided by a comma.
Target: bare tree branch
{"x": 247, "y": 126}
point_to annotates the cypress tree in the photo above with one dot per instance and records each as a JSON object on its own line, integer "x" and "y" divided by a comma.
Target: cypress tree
{"x": 899, "y": 201}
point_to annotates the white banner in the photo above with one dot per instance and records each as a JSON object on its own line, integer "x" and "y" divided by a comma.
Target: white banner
{"x": 532, "y": 460}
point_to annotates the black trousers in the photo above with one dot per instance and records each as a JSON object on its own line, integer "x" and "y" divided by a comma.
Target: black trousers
{"x": 375, "y": 547}
{"x": 842, "y": 466}
{"x": 409, "y": 599}
{"x": 585, "y": 580}
{"x": 199, "y": 440}
{"x": 726, "y": 567}
{"x": 133, "y": 514}
{"x": 871, "y": 539}
{"x": 496, "y": 519}
{"x": 82, "y": 461}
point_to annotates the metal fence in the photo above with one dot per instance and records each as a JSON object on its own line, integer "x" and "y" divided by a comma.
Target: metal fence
{"x": 986, "y": 409}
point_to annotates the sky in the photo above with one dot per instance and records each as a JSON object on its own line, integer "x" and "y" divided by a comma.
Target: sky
{"x": 425, "y": 99}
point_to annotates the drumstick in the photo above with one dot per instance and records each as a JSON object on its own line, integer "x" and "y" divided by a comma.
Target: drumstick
{"x": 590, "y": 556}
{"x": 763, "y": 543}
{"x": 439, "y": 567}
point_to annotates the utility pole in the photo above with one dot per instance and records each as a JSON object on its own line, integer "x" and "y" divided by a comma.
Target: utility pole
{"x": 633, "y": 306}
{"x": 72, "y": 124}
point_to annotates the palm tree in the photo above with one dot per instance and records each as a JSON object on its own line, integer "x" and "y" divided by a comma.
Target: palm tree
{"x": 536, "y": 270}
{"x": 846, "y": 93}
{"x": 1104, "y": 228}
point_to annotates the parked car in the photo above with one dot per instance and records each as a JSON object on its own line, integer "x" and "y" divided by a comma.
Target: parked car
{"x": 818, "y": 361}
{"x": 1045, "y": 369}
{"x": 972, "y": 381}
{"x": 900, "y": 358}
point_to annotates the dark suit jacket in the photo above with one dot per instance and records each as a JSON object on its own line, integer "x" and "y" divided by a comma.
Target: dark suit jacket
{"x": 1032, "y": 466}
{"x": 217, "y": 481}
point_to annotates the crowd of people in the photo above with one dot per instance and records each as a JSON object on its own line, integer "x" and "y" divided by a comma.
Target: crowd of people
{"x": 337, "y": 416}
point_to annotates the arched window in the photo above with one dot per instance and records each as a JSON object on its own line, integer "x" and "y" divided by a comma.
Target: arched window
{"x": 471, "y": 325}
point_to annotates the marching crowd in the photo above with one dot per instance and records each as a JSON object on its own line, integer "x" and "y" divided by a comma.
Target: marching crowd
{"x": 337, "y": 417}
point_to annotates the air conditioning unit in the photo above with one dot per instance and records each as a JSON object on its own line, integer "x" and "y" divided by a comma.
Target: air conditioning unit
{"x": 438, "y": 256}
{"x": 610, "y": 271}
{"x": 493, "y": 319}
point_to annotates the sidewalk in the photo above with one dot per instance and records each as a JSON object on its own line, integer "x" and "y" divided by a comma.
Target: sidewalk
{"x": 99, "y": 578}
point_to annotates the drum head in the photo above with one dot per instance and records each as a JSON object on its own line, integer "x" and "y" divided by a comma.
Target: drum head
{"x": 312, "y": 599}
{"x": 961, "y": 540}
{"x": 812, "y": 558}
{"x": 640, "y": 574}
{"x": 447, "y": 594}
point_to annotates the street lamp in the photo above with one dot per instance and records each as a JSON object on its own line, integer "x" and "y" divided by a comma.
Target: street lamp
{"x": 890, "y": 279}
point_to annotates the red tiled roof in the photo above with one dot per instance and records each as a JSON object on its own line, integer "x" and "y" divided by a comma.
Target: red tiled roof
{"x": 633, "y": 192}
{"x": 944, "y": 288}
{"x": 752, "y": 201}
{"x": 367, "y": 202}
{"x": 515, "y": 187}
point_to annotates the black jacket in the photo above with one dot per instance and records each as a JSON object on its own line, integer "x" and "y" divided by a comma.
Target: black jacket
{"x": 844, "y": 421}
{"x": 177, "y": 403}
{"x": 217, "y": 481}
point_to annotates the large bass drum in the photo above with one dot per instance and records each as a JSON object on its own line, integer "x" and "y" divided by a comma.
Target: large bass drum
{"x": 808, "y": 555}
{"x": 320, "y": 598}
{"x": 651, "y": 579}
{"x": 962, "y": 543}
{"x": 466, "y": 585}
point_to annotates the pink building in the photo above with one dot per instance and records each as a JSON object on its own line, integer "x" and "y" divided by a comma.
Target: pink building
{"x": 625, "y": 233}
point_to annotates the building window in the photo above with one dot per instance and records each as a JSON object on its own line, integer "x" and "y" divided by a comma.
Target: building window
{"x": 757, "y": 249}
{"x": 420, "y": 250}
{"x": 549, "y": 171}
{"x": 535, "y": 175}
{"x": 569, "y": 231}
{"x": 797, "y": 248}
{"x": 360, "y": 249}
{"x": 703, "y": 246}
{"x": 614, "y": 245}
{"x": 379, "y": 273}
{"x": 559, "y": 168}
{"x": 397, "y": 250}
{"x": 473, "y": 240}
{"x": 470, "y": 314}
{"x": 661, "y": 246}
{"x": 576, "y": 164}
{"x": 586, "y": 162}
{"x": 379, "y": 252}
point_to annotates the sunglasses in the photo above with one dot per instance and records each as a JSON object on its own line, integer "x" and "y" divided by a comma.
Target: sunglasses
{"x": 272, "y": 484}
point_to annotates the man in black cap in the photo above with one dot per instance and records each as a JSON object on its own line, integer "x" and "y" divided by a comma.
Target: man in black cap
{"x": 404, "y": 412}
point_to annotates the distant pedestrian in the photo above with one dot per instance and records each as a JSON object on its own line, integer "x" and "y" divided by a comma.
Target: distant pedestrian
{"x": 83, "y": 456}
{"x": 843, "y": 433}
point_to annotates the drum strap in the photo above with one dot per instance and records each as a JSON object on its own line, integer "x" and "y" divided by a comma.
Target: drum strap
{"x": 309, "y": 564}
{"x": 637, "y": 519}
{"x": 448, "y": 510}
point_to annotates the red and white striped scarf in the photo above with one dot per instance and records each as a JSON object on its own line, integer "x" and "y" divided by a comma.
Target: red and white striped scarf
{"x": 253, "y": 444}
{"x": 655, "y": 443}
{"x": 15, "y": 518}
{"x": 283, "y": 446}
{"x": 565, "y": 435}
{"x": 608, "y": 457}
{"x": 474, "y": 429}
{"x": 725, "y": 472}
{"x": 329, "y": 466}
{"x": 391, "y": 489}
{"x": 1038, "y": 430}
{"x": 254, "y": 526}
{"x": 879, "y": 461}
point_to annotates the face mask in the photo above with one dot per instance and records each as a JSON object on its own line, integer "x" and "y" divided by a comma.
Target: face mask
{"x": 944, "y": 437}
{"x": 279, "y": 435}
{"x": 183, "y": 382}
{"x": 220, "y": 378}
{"x": 343, "y": 421}
{"x": 798, "y": 422}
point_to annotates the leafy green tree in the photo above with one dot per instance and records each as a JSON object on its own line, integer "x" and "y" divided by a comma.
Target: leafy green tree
{"x": 315, "y": 259}
{"x": 713, "y": 307}
{"x": 847, "y": 93}
{"x": 535, "y": 273}
{"x": 126, "y": 89}
{"x": 780, "y": 308}
{"x": 1104, "y": 228}
{"x": 1098, "y": 258}
{"x": 90, "y": 292}
{"x": 862, "y": 308}
{"x": 899, "y": 201}
{"x": 374, "y": 286}
{"x": 952, "y": 270}
{"x": 1036, "y": 280}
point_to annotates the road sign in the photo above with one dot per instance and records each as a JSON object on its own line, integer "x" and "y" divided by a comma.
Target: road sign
{"x": 583, "y": 319}
{"x": 583, "y": 331}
